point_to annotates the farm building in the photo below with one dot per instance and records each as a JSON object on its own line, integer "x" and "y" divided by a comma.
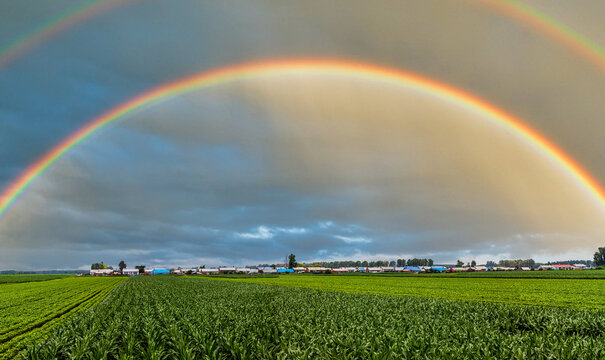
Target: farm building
{"x": 318, "y": 270}
{"x": 130, "y": 272}
{"x": 300, "y": 269}
{"x": 415, "y": 269}
{"x": 546, "y": 267}
{"x": 267, "y": 270}
{"x": 101, "y": 272}
{"x": 209, "y": 271}
{"x": 439, "y": 268}
{"x": 563, "y": 267}
{"x": 226, "y": 270}
{"x": 285, "y": 271}
{"x": 159, "y": 271}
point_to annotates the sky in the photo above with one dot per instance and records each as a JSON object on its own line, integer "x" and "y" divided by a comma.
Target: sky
{"x": 323, "y": 165}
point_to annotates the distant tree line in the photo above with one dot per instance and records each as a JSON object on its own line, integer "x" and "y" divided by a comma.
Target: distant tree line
{"x": 356, "y": 263}
{"x": 572, "y": 262}
{"x": 517, "y": 263}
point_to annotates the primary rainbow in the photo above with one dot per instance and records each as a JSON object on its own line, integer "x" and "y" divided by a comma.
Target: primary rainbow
{"x": 347, "y": 68}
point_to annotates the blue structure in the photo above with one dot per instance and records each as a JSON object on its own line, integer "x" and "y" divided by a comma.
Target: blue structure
{"x": 413, "y": 268}
{"x": 160, "y": 271}
{"x": 439, "y": 268}
{"x": 284, "y": 271}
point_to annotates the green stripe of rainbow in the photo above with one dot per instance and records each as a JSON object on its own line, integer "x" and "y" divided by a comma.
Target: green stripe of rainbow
{"x": 257, "y": 69}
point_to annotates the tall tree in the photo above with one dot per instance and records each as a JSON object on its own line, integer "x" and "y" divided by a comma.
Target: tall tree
{"x": 291, "y": 261}
{"x": 473, "y": 263}
{"x": 98, "y": 266}
{"x": 459, "y": 263}
{"x": 599, "y": 257}
{"x": 122, "y": 266}
{"x": 141, "y": 268}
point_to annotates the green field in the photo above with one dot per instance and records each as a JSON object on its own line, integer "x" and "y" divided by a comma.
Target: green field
{"x": 563, "y": 292}
{"x": 557, "y": 315}
{"x": 199, "y": 318}
{"x": 15, "y": 279}
{"x": 550, "y": 274}
{"x": 29, "y": 310}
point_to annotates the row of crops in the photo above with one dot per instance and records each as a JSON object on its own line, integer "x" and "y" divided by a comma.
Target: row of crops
{"x": 198, "y": 318}
{"x": 15, "y": 279}
{"x": 578, "y": 293}
{"x": 29, "y": 310}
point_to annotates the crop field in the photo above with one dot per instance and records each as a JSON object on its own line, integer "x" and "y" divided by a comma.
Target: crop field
{"x": 564, "y": 292}
{"x": 200, "y": 318}
{"x": 15, "y": 279}
{"x": 550, "y": 274}
{"x": 28, "y": 310}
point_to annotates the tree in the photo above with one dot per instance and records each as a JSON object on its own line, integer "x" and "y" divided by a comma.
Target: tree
{"x": 430, "y": 262}
{"x": 599, "y": 257}
{"x": 141, "y": 268}
{"x": 473, "y": 263}
{"x": 98, "y": 266}
{"x": 392, "y": 263}
{"x": 122, "y": 266}
{"x": 291, "y": 261}
{"x": 459, "y": 263}
{"x": 491, "y": 263}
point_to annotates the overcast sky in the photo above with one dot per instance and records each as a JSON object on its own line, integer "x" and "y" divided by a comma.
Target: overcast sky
{"x": 325, "y": 166}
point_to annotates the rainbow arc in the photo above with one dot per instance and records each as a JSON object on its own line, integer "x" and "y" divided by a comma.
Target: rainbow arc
{"x": 263, "y": 68}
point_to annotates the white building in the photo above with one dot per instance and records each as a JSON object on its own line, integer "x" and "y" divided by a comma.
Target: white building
{"x": 101, "y": 272}
{"x": 130, "y": 272}
{"x": 209, "y": 271}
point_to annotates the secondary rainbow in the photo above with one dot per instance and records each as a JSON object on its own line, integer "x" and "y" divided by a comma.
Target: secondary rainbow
{"x": 53, "y": 26}
{"x": 527, "y": 14}
{"x": 263, "y": 68}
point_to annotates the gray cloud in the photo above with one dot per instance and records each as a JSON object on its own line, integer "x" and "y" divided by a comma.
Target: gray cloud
{"x": 235, "y": 173}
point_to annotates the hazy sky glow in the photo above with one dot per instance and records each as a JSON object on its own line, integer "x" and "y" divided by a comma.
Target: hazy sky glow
{"x": 327, "y": 166}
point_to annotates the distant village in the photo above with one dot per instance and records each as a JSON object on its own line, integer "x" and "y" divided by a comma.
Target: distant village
{"x": 411, "y": 266}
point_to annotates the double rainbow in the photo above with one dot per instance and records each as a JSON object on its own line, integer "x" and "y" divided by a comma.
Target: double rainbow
{"x": 258, "y": 69}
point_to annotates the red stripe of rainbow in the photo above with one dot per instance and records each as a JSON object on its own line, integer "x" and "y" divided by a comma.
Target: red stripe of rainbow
{"x": 256, "y": 69}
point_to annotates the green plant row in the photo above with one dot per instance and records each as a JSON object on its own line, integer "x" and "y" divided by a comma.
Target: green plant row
{"x": 185, "y": 318}
{"x": 30, "y": 310}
